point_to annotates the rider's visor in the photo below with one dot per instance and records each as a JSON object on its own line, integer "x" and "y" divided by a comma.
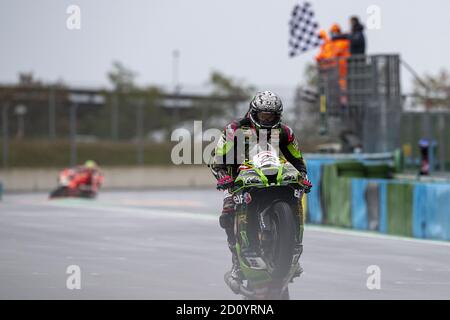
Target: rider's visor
{"x": 266, "y": 117}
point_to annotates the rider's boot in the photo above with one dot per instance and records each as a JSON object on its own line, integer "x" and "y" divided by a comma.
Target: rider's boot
{"x": 227, "y": 223}
{"x": 235, "y": 272}
{"x": 299, "y": 270}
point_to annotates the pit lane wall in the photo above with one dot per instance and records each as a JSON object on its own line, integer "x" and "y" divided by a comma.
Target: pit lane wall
{"x": 392, "y": 206}
{"x": 29, "y": 180}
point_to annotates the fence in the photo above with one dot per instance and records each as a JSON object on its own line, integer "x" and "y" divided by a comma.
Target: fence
{"x": 364, "y": 92}
{"x": 413, "y": 128}
{"x": 70, "y": 120}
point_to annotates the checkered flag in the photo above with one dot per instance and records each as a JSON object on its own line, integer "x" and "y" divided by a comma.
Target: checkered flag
{"x": 304, "y": 30}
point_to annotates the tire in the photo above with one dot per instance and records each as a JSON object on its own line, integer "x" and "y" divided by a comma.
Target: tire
{"x": 87, "y": 194}
{"x": 59, "y": 192}
{"x": 285, "y": 223}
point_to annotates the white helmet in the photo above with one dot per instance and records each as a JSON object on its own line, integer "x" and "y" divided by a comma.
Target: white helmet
{"x": 265, "y": 110}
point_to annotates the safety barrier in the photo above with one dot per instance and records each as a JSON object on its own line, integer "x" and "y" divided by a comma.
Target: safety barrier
{"x": 431, "y": 211}
{"x": 391, "y": 206}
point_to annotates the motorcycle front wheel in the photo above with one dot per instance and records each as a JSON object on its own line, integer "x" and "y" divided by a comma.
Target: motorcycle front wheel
{"x": 59, "y": 192}
{"x": 284, "y": 240}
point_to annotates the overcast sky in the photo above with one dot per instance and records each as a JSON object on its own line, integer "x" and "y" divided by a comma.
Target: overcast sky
{"x": 245, "y": 39}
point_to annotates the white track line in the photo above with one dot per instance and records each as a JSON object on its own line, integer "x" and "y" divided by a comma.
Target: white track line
{"x": 373, "y": 234}
{"x": 150, "y": 213}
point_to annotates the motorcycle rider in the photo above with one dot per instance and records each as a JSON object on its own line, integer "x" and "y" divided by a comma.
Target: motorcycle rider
{"x": 87, "y": 175}
{"x": 264, "y": 115}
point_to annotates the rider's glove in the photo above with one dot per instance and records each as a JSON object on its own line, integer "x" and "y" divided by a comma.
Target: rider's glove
{"x": 225, "y": 182}
{"x": 305, "y": 182}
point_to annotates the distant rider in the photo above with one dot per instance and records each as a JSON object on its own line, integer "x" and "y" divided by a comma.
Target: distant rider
{"x": 87, "y": 175}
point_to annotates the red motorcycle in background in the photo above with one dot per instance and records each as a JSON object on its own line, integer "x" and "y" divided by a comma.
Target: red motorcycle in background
{"x": 82, "y": 182}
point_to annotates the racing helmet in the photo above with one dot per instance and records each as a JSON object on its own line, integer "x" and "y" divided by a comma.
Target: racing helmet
{"x": 265, "y": 110}
{"x": 91, "y": 164}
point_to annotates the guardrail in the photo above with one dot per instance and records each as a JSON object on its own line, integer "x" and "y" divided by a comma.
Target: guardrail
{"x": 392, "y": 206}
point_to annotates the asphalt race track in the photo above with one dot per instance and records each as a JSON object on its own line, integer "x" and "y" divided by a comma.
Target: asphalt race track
{"x": 168, "y": 245}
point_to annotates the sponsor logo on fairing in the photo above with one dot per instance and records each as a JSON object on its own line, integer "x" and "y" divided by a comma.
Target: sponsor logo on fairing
{"x": 247, "y": 198}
